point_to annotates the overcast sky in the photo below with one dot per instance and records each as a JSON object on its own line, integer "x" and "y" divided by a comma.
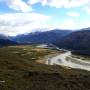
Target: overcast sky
{"x": 22, "y": 16}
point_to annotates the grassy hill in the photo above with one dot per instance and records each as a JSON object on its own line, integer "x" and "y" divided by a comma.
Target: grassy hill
{"x": 20, "y": 71}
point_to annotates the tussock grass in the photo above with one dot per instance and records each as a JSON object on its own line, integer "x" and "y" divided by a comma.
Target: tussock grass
{"x": 20, "y": 71}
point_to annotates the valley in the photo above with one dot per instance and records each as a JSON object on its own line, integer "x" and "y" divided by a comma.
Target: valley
{"x": 44, "y": 44}
{"x": 20, "y": 70}
{"x": 50, "y": 60}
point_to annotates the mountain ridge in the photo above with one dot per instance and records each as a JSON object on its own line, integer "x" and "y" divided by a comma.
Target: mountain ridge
{"x": 41, "y": 37}
{"x": 78, "y": 41}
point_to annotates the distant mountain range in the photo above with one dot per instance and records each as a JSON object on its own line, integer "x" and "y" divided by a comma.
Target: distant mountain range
{"x": 42, "y": 37}
{"x": 4, "y": 41}
{"x": 78, "y": 41}
{"x": 3, "y": 36}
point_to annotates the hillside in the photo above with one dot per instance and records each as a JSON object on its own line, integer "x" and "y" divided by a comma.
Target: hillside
{"x": 78, "y": 41}
{"x": 20, "y": 71}
{"x": 4, "y": 41}
{"x": 41, "y": 37}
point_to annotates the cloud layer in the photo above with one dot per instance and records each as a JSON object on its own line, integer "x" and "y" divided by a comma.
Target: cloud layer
{"x": 26, "y": 19}
{"x": 60, "y": 3}
{"x": 18, "y": 5}
{"x": 73, "y": 14}
{"x": 21, "y": 5}
{"x": 13, "y": 24}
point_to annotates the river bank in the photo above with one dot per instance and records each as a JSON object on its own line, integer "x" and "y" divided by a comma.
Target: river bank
{"x": 65, "y": 59}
